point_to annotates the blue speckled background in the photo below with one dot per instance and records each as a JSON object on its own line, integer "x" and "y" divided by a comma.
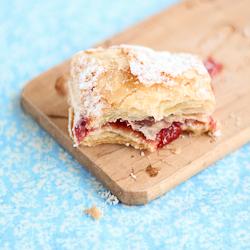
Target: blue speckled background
{"x": 43, "y": 190}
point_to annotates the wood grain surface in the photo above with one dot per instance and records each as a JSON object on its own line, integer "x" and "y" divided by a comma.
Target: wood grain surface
{"x": 216, "y": 28}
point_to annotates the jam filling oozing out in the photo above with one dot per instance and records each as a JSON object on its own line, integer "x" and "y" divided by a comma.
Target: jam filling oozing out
{"x": 164, "y": 137}
{"x": 213, "y": 67}
{"x": 169, "y": 134}
{"x": 80, "y": 129}
{"x": 213, "y": 124}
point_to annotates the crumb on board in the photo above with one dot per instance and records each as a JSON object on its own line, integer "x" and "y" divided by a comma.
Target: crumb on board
{"x": 94, "y": 211}
{"x": 217, "y": 133}
{"x": 142, "y": 153}
{"x": 246, "y": 32}
{"x": 132, "y": 175}
{"x": 214, "y": 135}
{"x": 176, "y": 151}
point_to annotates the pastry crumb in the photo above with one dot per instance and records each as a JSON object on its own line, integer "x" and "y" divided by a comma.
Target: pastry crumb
{"x": 231, "y": 115}
{"x": 94, "y": 211}
{"x": 132, "y": 175}
{"x": 142, "y": 153}
{"x": 214, "y": 135}
{"x": 176, "y": 151}
{"x": 127, "y": 144}
{"x": 246, "y": 32}
{"x": 217, "y": 133}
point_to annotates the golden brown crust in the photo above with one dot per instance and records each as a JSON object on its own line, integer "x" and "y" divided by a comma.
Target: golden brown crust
{"x": 133, "y": 83}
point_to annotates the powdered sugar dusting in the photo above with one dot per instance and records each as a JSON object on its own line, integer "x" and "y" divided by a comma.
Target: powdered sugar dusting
{"x": 86, "y": 73}
{"x": 170, "y": 82}
{"x": 110, "y": 198}
{"x": 93, "y": 103}
{"x": 204, "y": 93}
{"x": 153, "y": 67}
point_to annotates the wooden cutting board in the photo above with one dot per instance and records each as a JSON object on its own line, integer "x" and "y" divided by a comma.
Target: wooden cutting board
{"x": 217, "y": 28}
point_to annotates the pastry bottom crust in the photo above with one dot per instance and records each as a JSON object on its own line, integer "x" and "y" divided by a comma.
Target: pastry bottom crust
{"x": 116, "y": 137}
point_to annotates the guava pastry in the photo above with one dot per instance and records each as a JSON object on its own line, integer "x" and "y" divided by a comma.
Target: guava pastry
{"x": 136, "y": 96}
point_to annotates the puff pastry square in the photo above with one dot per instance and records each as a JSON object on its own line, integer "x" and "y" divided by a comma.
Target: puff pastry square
{"x": 136, "y": 96}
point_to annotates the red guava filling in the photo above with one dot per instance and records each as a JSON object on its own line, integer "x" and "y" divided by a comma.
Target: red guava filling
{"x": 163, "y": 137}
{"x": 80, "y": 129}
{"x": 213, "y": 124}
{"x": 169, "y": 134}
{"x": 213, "y": 67}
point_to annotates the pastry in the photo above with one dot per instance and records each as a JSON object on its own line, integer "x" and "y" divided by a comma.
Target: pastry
{"x": 136, "y": 96}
